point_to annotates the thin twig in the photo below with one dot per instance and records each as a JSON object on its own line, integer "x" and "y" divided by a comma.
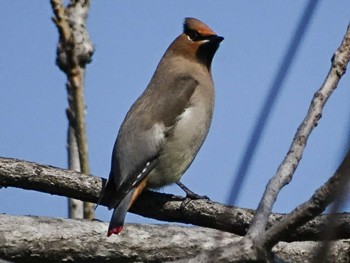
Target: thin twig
{"x": 308, "y": 210}
{"x": 287, "y": 168}
{"x": 330, "y": 231}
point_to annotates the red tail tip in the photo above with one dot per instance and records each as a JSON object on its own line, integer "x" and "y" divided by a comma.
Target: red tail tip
{"x": 115, "y": 231}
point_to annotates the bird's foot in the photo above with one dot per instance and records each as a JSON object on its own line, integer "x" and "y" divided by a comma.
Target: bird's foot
{"x": 190, "y": 194}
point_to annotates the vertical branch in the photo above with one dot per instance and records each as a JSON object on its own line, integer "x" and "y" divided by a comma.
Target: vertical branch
{"x": 74, "y": 51}
{"x": 75, "y": 206}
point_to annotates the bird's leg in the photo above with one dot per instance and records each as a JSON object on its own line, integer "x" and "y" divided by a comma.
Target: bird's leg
{"x": 189, "y": 193}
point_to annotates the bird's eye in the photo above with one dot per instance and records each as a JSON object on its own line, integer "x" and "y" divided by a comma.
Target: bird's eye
{"x": 193, "y": 35}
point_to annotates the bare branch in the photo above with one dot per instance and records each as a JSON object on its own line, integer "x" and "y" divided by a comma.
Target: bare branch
{"x": 74, "y": 51}
{"x": 72, "y": 240}
{"x": 341, "y": 190}
{"x": 317, "y": 204}
{"x": 287, "y": 168}
{"x": 48, "y": 179}
{"x": 75, "y": 207}
{"x": 305, "y": 251}
{"x": 74, "y": 48}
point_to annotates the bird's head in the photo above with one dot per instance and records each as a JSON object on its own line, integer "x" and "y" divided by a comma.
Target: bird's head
{"x": 197, "y": 42}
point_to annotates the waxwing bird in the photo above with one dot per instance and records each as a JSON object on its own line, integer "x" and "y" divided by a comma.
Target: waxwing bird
{"x": 166, "y": 126}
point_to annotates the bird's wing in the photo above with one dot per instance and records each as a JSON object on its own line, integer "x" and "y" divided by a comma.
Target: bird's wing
{"x": 139, "y": 141}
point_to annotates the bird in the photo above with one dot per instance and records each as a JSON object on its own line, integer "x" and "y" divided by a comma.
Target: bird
{"x": 167, "y": 125}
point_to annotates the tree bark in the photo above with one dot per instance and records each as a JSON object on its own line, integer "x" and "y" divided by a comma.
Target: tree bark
{"x": 75, "y": 207}
{"x": 165, "y": 207}
{"x": 74, "y": 51}
{"x": 45, "y": 239}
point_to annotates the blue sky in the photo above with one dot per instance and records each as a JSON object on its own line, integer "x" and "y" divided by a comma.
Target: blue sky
{"x": 130, "y": 37}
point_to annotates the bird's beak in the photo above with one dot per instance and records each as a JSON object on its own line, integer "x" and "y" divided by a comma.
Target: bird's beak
{"x": 214, "y": 39}
{"x": 219, "y": 39}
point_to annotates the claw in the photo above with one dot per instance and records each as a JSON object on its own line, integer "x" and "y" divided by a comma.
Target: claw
{"x": 190, "y": 194}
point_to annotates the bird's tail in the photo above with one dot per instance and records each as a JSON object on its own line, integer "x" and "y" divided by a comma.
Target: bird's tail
{"x": 117, "y": 221}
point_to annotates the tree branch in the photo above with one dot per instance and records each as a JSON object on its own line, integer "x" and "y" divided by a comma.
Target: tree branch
{"x": 74, "y": 51}
{"x": 44, "y": 239}
{"x": 316, "y": 205}
{"x": 48, "y": 179}
{"x": 287, "y": 168}
{"x": 77, "y": 240}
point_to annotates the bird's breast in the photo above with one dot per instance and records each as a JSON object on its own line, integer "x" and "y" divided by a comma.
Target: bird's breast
{"x": 183, "y": 142}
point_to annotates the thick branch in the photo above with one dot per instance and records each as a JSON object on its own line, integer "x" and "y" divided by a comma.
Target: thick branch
{"x": 287, "y": 168}
{"x": 48, "y": 179}
{"x": 44, "y": 239}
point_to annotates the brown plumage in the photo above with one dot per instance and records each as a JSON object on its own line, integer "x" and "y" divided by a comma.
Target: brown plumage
{"x": 165, "y": 128}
